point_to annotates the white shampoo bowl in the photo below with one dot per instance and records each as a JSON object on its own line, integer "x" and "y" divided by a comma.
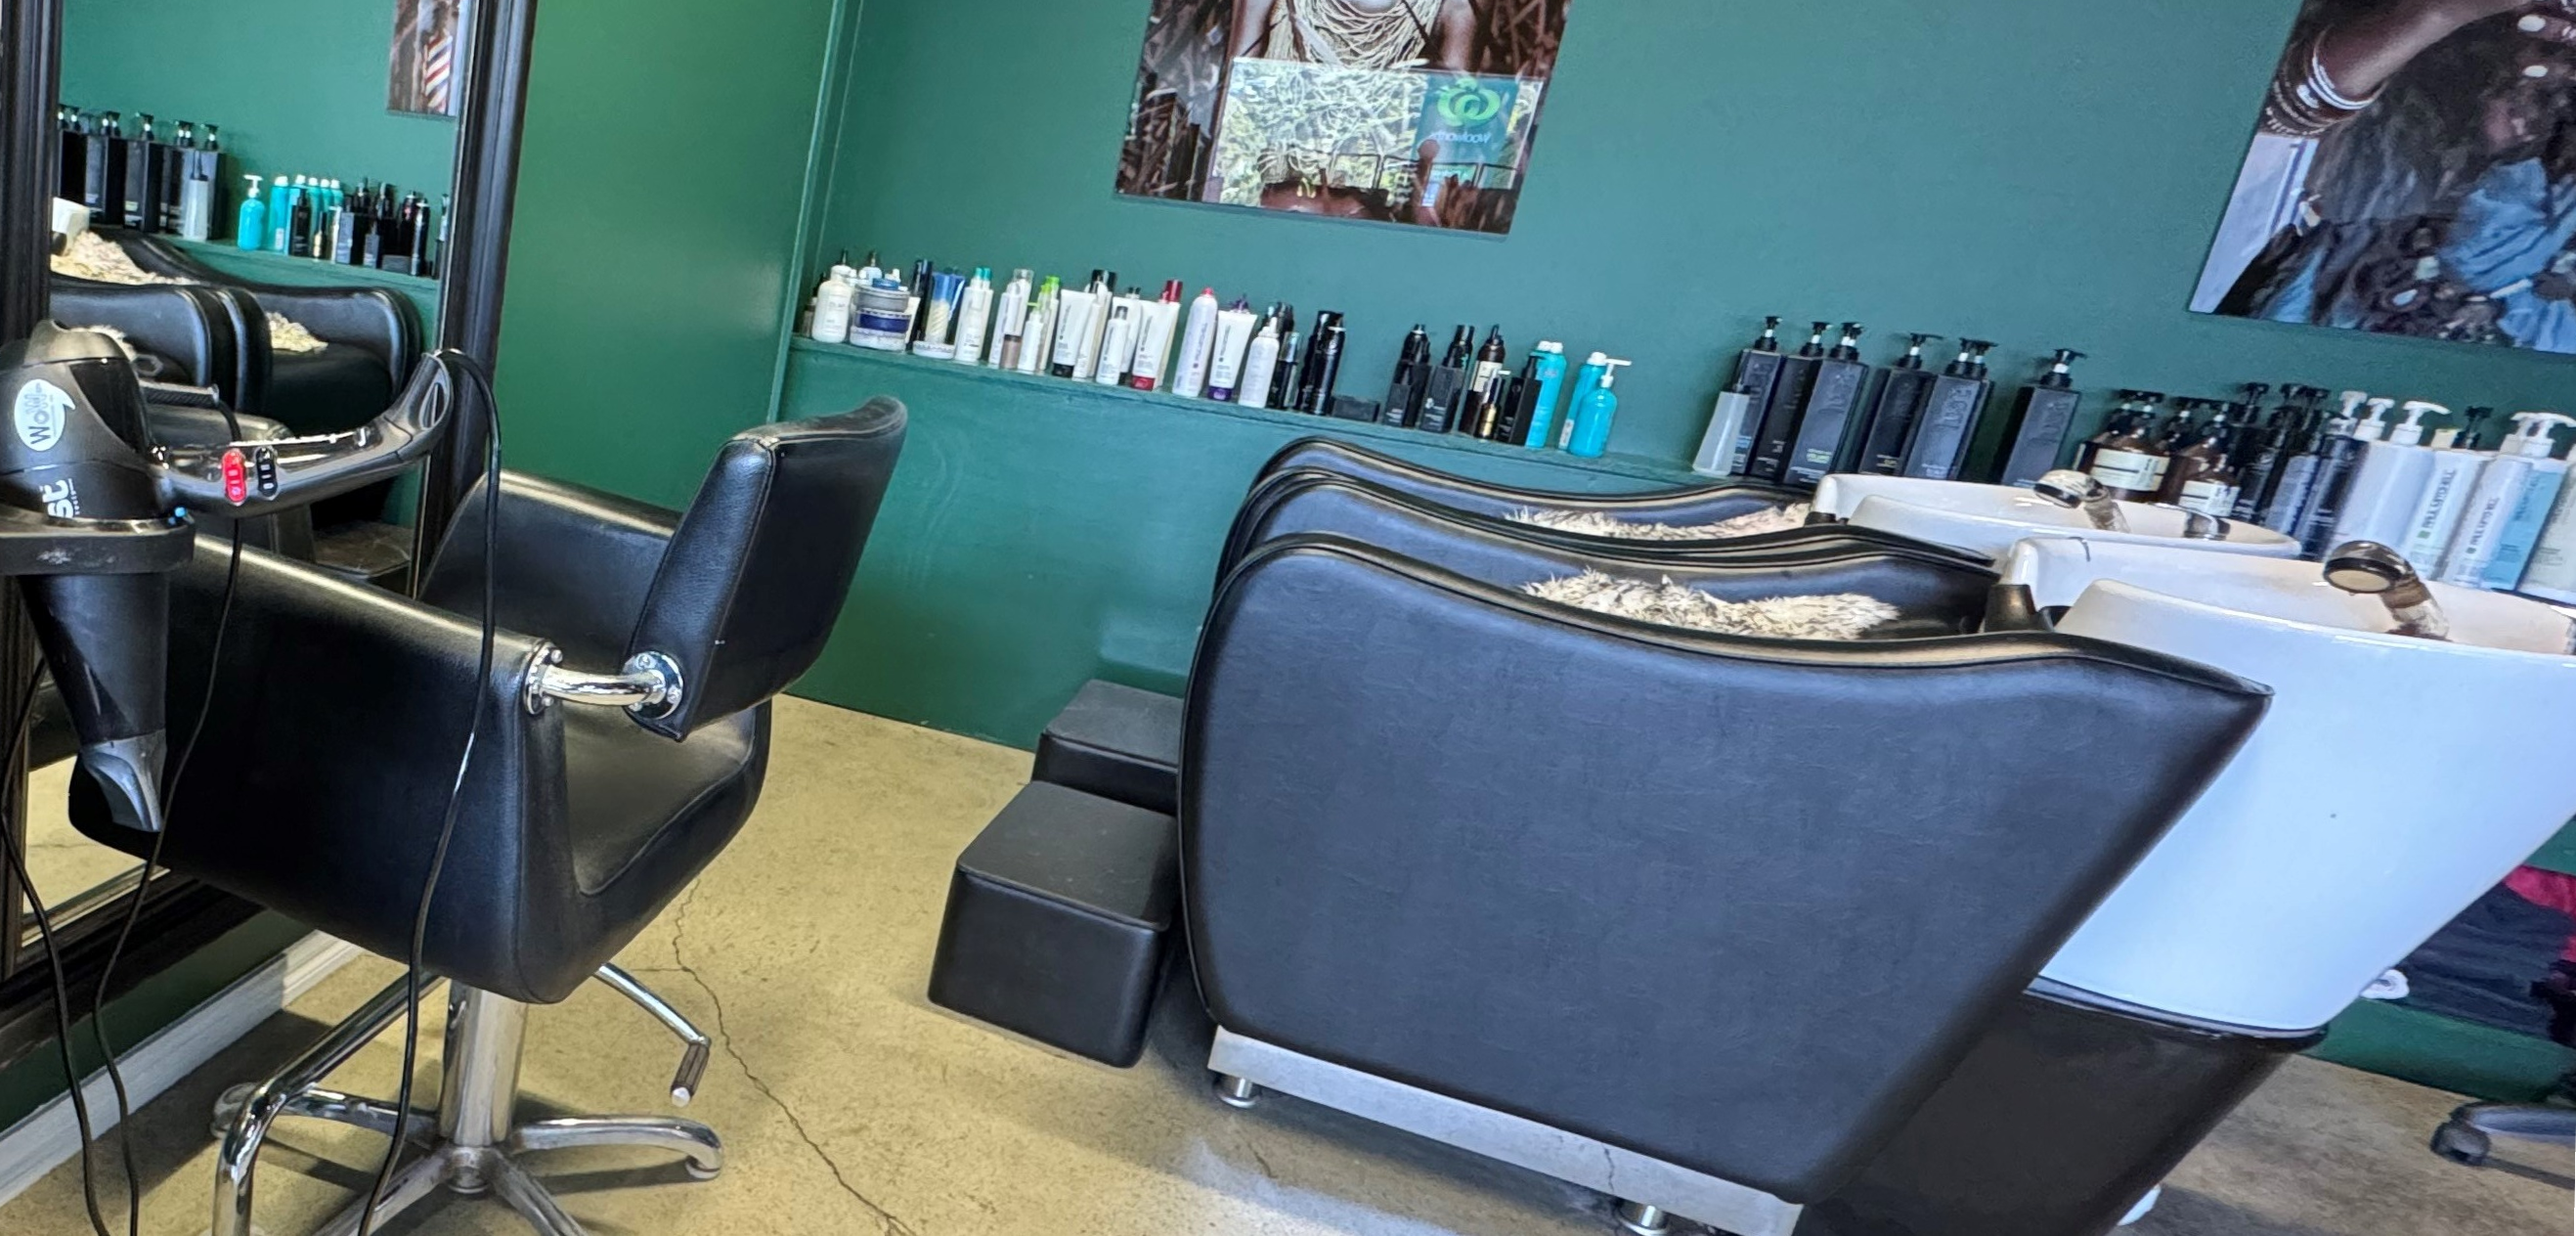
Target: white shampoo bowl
{"x": 2394, "y": 781}
{"x": 1988, "y": 519}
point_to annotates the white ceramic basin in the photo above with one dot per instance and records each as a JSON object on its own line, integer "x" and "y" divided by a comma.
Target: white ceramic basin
{"x": 1988, "y": 519}
{"x": 2394, "y": 781}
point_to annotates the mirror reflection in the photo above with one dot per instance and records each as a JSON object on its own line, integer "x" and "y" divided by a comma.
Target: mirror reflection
{"x": 253, "y": 197}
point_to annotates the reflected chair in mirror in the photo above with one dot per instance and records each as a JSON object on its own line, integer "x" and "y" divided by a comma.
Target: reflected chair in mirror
{"x": 1694, "y": 920}
{"x": 1687, "y": 506}
{"x": 370, "y": 339}
{"x": 621, "y": 740}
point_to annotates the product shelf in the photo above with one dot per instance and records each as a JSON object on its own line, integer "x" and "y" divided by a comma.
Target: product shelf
{"x": 1630, "y": 467}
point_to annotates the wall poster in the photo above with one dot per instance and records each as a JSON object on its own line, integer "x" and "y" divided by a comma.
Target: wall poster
{"x": 1402, "y": 111}
{"x": 428, "y": 39}
{"x": 2414, "y": 173}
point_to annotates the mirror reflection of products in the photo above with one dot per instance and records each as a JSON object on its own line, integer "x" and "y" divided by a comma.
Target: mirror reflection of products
{"x": 139, "y": 180}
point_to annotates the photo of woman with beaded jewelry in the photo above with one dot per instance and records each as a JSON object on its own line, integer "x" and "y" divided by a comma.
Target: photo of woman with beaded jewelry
{"x": 1399, "y": 111}
{"x": 2414, "y": 173}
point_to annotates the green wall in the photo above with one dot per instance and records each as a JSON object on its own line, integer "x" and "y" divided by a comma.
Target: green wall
{"x": 663, "y": 161}
{"x": 297, "y": 86}
{"x": 2032, "y": 171}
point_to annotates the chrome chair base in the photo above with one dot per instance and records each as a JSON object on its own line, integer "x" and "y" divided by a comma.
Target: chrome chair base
{"x": 470, "y": 1145}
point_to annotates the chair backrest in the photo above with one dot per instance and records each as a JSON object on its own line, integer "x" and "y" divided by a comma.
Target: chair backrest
{"x": 1312, "y": 503}
{"x": 1684, "y": 506}
{"x": 761, "y": 564}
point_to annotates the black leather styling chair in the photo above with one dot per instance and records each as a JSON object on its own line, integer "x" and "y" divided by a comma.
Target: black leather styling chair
{"x": 624, "y": 734}
{"x": 1696, "y": 921}
{"x": 1688, "y": 507}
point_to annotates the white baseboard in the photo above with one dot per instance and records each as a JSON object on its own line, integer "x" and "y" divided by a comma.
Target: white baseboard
{"x": 50, "y": 1135}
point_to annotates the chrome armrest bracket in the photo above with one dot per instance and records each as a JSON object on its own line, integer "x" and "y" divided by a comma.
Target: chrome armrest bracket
{"x": 649, "y": 685}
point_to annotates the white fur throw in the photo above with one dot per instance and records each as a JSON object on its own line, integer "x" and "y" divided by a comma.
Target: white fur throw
{"x": 1840, "y": 616}
{"x": 1594, "y": 523}
{"x": 100, "y": 260}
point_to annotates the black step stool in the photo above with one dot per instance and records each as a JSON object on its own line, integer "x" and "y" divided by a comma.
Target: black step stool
{"x": 1058, "y": 918}
{"x": 1116, "y": 742}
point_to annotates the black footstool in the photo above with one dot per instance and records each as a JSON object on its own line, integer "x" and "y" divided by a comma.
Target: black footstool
{"x": 1117, "y": 742}
{"x": 1057, "y": 921}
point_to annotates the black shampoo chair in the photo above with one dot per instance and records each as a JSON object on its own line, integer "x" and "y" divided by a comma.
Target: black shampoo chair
{"x": 1696, "y": 921}
{"x": 191, "y": 336}
{"x": 576, "y": 822}
{"x": 1687, "y": 507}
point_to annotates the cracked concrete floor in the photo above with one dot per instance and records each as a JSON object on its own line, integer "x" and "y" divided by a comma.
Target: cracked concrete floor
{"x": 848, "y": 1105}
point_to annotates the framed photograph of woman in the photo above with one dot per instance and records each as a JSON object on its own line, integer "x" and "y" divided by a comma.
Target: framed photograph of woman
{"x": 429, "y": 37}
{"x": 1404, "y": 111}
{"x": 2413, "y": 173}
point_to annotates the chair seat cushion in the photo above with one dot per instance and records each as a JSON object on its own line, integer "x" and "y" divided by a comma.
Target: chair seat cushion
{"x": 1117, "y": 742}
{"x": 629, "y": 790}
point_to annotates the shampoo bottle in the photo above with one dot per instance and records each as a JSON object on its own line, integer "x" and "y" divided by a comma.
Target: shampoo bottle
{"x": 1012, "y": 310}
{"x": 250, "y": 228}
{"x": 1947, "y": 427}
{"x": 2036, "y": 435}
{"x": 1595, "y": 412}
{"x": 2446, "y": 502}
{"x": 1821, "y": 445}
{"x": 2523, "y": 526}
{"x": 1154, "y": 339}
{"x": 1120, "y": 335}
{"x": 2342, "y": 457}
{"x": 975, "y": 317}
{"x": 1779, "y": 427}
{"x": 2389, "y": 484}
{"x": 1547, "y": 369}
{"x": 1889, "y": 423}
{"x": 2499, "y": 493}
{"x": 831, "y": 311}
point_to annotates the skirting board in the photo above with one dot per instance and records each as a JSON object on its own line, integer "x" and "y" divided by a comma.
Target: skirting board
{"x": 50, "y": 1135}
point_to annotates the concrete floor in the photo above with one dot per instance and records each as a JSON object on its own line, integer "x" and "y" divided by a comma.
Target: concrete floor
{"x": 849, "y": 1105}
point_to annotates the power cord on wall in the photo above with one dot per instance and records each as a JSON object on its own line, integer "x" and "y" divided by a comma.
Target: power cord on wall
{"x": 54, "y": 963}
{"x": 455, "y": 793}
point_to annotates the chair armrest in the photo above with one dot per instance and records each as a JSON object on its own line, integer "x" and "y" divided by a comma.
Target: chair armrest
{"x": 1738, "y": 905}
{"x": 574, "y": 564}
{"x": 1687, "y": 507}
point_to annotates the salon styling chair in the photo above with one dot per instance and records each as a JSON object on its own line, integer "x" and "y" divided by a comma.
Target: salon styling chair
{"x": 622, "y": 737}
{"x": 1692, "y": 920}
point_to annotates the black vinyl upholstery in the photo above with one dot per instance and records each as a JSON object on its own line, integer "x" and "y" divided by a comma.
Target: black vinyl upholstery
{"x": 1738, "y": 905}
{"x": 576, "y": 825}
{"x": 1307, "y": 502}
{"x": 1680, "y": 507}
{"x": 194, "y": 333}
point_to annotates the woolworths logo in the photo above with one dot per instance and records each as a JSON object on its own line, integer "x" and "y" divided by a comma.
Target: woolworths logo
{"x": 1466, "y": 103}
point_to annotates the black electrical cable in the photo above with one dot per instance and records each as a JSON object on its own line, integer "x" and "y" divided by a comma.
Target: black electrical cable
{"x": 143, "y": 884}
{"x": 455, "y": 792}
{"x": 54, "y": 963}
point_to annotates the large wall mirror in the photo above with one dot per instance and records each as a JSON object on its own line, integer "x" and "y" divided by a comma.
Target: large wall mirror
{"x": 262, "y": 199}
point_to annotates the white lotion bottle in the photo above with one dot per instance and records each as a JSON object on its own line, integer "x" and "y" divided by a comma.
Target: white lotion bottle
{"x": 1072, "y": 333}
{"x": 2436, "y": 519}
{"x": 974, "y": 317}
{"x": 832, "y": 312}
{"x": 1117, "y": 342}
{"x": 1198, "y": 347}
{"x": 1032, "y": 333}
{"x": 1154, "y": 340}
{"x": 2491, "y": 505}
{"x": 2388, "y": 487}
{"x": 2530, "y": 517}
{"x": 1233, "y": 340}
{"x": 1260, "y": 365}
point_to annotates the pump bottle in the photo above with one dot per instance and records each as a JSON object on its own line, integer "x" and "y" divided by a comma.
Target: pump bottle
{"x": 1947, "y": 427}
{"x": 2389, "y": 484}
{"x": 1596, "y": 411}
{"x": 2447, "y": 493}
{"x": 2530, "y": 516}
{"x": 2336, "y": 465}
{"x": 1779, "y": 425}
{"x": 2501, "y": 488}
{"x": 250, "y": 227}
{"x": 1823, "y": 444}
{"x": 1889, "y": 423}
{"x": 2041, "y": 417}
{"x": 1547, "y": 390}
